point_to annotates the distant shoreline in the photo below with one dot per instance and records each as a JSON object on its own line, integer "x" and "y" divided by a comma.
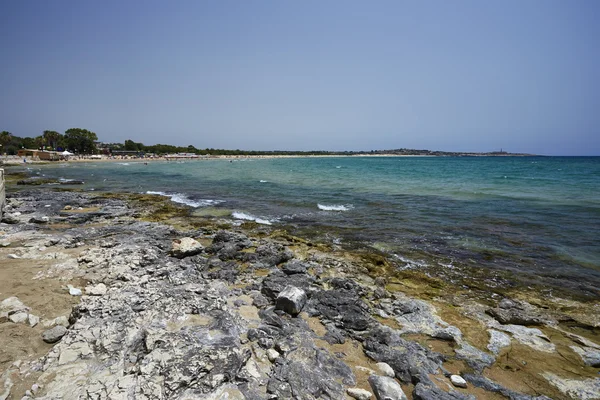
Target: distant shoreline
{"x": 15, "y": 160}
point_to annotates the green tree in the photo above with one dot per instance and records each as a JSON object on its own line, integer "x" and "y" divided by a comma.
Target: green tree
{"x": 40, "y": 142}
{"x": 130, "y": 145}
{"x": 52, "y": 138}
{"x": 5, "y": 138}
{"x": 80, "y": 140}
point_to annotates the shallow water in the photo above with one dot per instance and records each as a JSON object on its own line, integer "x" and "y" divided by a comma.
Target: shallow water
{"x": 536, "y": 216}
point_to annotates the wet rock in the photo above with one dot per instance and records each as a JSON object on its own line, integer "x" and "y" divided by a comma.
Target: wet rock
{"x": 516, "y": 313}
{"x": 359, "y": 394}
{"x": 54, "y": 335}
{"x": 386, "y": 388}
{"x": 291, "y": 300}
{"x": 186, "y": 247}
{"x": 458, "y": 381}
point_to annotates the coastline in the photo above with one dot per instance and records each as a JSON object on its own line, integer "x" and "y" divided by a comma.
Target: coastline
{"x": 124, "y": 242}
{"x": 14, "y": 160}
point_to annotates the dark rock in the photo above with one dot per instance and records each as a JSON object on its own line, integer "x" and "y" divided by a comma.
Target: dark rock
{"x": 409, "y": 360}
{"x": 491, "y": 386}
{"x": 272, "y": 254}
{"x": 432, "y": 392}
{"x": 54, "y": 335}
{"x": 277, "y": 281}
{"x": 293, "y": 267}
{"x": 342, "y": 307}
{"x": 291, "y": 300}
{"x": 39, "y": 219}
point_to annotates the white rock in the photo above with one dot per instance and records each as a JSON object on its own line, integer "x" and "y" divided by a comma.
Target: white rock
{"x": 359, "y": 394}
{"x": 13, "y": 256}
{"x": 12, "y": 304}
{"x": 62, "y": 321}
{"x": 18, "y": 318}
{"x": 386, "y": 388}
{"x": 186, "y": 247}
{"x": 385, "y": 369}
{"x": 98, "y": 290}
{"x": 33, "y": 320}
{"x": 272, "y": 354}
{"x": 73, "y": 291}
{"x": 458, "y": 381}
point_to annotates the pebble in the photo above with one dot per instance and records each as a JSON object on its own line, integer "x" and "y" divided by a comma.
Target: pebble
{"x": 272, "y": 354}
{"x": 458, "y": 381}
{"x": 359, "y": 394}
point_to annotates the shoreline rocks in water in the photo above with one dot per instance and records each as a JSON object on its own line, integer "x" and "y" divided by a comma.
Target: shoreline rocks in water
{"x": 182, "y": 313}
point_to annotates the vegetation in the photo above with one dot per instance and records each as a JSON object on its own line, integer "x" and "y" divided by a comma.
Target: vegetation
{"x": 83, "y": 141}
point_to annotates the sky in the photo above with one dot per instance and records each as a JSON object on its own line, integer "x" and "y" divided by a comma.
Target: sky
{"x": 459, "y": 75}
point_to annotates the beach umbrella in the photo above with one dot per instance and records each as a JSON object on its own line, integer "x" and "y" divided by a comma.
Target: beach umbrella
{"x": 67, "y": 153}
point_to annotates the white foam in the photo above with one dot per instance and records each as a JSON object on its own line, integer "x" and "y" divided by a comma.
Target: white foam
{"x": 335, "y": 207}
{"x": 123, "y": 163}
{"x": 263, "y": 181}
{"x": 249, "y": 217}
{"x": 183, "y": 199}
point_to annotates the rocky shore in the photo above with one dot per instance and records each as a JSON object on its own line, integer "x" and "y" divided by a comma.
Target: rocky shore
{"x": 124, "y": 297}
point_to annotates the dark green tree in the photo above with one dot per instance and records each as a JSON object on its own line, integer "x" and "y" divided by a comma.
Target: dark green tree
{"x": 80, "y": 140}
{"x": 52, "y": 138}
{"x": 5, "y": 138}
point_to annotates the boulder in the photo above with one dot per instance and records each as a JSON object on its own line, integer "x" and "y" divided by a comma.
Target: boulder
{"x": 54, "y": 335}
{"x": 291, "y": 300}
{"x": 293, "y": 267}
{"x": 386, "y": 388}
{"x": 18, "y": 318}
{"x": 186, "y": 247}
{"x": 39, "y": 219}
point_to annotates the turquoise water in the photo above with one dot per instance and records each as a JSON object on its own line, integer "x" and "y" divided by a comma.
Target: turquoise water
{"x": 537, "y": 216}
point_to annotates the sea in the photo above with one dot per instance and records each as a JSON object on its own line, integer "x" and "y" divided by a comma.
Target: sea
{"x": 537, "y": 218}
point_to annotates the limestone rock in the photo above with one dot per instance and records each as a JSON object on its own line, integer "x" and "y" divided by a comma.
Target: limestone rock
{"x": 10, "y": 219}
{"x": 18, "y": 318}
{"x": 458, "y": 381}
{"x": 33, "y": 320}
{"x": 359, "y": 394}
{"x": 291, "y": 300}
{"x": 498, "y": 341}
{"x": 12, "y": 305}
{"x": 54, "y": 335}
{"x": 97, "y": 290}
{"x": 385, "y": 369}
{"x": 39, "y": 219}
{"x": 186, "y": 247}
{"x": 386, "y": 388}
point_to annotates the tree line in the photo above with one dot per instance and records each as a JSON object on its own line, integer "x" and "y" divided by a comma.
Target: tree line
{"x": 76, "y": 140}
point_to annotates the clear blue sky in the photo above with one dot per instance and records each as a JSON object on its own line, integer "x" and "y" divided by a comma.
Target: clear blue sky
{"x": 335, "y": 75}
